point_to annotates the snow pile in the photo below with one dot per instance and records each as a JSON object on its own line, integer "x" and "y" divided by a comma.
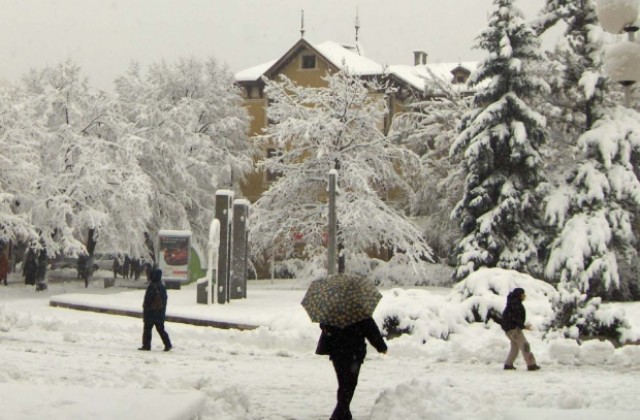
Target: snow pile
{"x": 480, "y": 297}
{"x": 419, "y": 400}
{"x": 29, "y": 401}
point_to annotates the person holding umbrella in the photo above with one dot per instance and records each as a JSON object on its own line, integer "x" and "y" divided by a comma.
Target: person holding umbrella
{"x": 343, "y": 306}
{"x": 347, "y": 350}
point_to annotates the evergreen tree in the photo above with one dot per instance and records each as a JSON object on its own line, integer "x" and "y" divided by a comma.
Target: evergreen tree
{"x": 500, "y": 142}
{"x": 338, "y": 127}
{"x": 595, "y": 208}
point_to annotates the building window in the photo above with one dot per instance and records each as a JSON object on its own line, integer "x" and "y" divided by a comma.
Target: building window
{"x": 273, "y": 175}
{"x": 308, "y": 61}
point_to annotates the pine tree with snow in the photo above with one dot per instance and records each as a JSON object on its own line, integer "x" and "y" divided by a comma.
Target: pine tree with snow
{"x": 337, "y": 127}
{"x": 500, "y": 141}
{"x": 595, "y": 210}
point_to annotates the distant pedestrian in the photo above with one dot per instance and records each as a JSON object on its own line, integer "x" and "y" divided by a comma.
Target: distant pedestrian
{"x": 42, "y": 262}
{"x": 30, "y": 267}
{"x": 4, "y": 267}
{"x": 116, "y": 267}
{"x": 126, "y": 267}
{"x": 513, "y": 322}
{"x": 346, "y": 349}
{"x": 154, "y": 309}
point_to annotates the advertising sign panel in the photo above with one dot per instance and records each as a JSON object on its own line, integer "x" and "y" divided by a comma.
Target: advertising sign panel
{"x": 174, "y": 248}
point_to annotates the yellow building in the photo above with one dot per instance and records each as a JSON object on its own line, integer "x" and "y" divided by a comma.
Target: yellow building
{"x": 306, "y": 64}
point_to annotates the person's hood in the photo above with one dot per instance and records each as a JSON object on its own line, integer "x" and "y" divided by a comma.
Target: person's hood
{"x": 155, "y": 275}
{"x": 515, "y": 293}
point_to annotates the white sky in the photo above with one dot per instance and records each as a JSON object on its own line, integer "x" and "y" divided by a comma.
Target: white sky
{"x": 104, "y": 36}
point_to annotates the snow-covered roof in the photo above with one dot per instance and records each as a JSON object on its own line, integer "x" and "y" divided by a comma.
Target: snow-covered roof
{"x": 342, "y": 58}
{"x": 417, "y": 75}
{"x": 253, "y": 73}
{"x": 351, "y": 58}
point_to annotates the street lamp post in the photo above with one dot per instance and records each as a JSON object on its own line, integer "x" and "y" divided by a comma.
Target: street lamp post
{"x": 622, "y": 61}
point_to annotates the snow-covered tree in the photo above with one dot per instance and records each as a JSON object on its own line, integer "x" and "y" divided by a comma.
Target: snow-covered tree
{"x": 190, "y": 127}
{"x": 500, "y": 141}
{"x": 595, "y": 209}
{"x": 19, "y": 166}
{"x": 89, "y": 187}
{"x": 338, "y": 127}
{"x": 429, "y": 128}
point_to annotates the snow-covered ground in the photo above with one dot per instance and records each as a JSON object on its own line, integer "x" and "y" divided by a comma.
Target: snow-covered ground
{"x": 67, "y": 357}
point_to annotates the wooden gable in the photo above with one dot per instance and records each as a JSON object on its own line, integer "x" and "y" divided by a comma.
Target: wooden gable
{"x": 303, "y": 64}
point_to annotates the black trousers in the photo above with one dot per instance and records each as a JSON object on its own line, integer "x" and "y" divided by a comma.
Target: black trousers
{"x": 347, "y": 371}
{"x": 146, "y": 333}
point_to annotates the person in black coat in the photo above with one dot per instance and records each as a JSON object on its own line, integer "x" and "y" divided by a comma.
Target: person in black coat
{"x": 346, "y": 349}
{"x": 513, "y": 322}
{"x": 30, "y": 268}
{"x": 154, "y": 308}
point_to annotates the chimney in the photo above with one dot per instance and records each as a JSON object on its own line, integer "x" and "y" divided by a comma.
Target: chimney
{"x": 419, "y": 57}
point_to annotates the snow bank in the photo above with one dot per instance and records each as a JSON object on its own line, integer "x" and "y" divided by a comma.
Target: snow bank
{"x": 35, "y": 402}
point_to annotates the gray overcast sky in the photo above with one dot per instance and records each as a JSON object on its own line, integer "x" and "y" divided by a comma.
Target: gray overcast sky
{"x": 104, "y": 36}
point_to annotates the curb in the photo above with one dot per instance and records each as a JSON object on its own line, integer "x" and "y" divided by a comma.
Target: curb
{"x": 169, "y": 318}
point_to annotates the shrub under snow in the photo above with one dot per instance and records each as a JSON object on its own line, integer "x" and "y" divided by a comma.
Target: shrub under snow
{"x": 480, "y": 297}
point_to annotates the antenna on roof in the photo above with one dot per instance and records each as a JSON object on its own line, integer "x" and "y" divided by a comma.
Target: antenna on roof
{"x": 357, "y": 24}
{"x": 301, "y": 23}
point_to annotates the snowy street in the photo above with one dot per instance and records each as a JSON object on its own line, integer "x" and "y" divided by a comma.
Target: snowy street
{"x": 272, "y": 372}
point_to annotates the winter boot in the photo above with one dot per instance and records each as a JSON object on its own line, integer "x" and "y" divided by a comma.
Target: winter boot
{"x": 533, "y": 367}
{"x": 509, "y": 367}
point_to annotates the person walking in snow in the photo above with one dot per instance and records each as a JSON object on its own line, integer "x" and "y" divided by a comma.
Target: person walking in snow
{"x": 30, "y": 267}
{"x": 513, "y": 322}
{"x": 346, "y": 349}
{"x": 4, "y": 266}
{"x": 154, "y": 308}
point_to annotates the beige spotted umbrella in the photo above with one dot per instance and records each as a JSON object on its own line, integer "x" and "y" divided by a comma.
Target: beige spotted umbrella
{"x": 341, "y": 300}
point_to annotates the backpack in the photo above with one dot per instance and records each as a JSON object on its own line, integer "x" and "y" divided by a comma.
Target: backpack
{"x": 156, "y": 302}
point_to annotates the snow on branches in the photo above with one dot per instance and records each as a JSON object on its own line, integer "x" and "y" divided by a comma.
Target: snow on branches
{"x": 500, "y": 141}
{"x": 339, "y": 127}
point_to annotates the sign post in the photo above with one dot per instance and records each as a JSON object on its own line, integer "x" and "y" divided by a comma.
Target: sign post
{"x": 174, "y": 255}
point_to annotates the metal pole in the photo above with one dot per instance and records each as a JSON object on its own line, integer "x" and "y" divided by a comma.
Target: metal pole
{"x": 331, "y": 249}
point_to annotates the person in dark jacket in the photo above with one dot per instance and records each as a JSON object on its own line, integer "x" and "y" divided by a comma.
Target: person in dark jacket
{"x": 154, "y": 308}
{"x": 513, "y": 322}
{"x": 30, "y": 268}
{"x": 346, "y": 348}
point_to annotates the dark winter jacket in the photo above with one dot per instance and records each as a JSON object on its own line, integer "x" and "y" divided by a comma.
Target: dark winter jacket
{"x": 348, "y": 343}
{"x": 30, "y": 268}
{"x": 514, "y": 314}
{"x": 154, "y": 309}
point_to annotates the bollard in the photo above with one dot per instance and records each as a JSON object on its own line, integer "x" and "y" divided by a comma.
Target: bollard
{"x": 239, "y": 250}
{"x": 224, "y": 213}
